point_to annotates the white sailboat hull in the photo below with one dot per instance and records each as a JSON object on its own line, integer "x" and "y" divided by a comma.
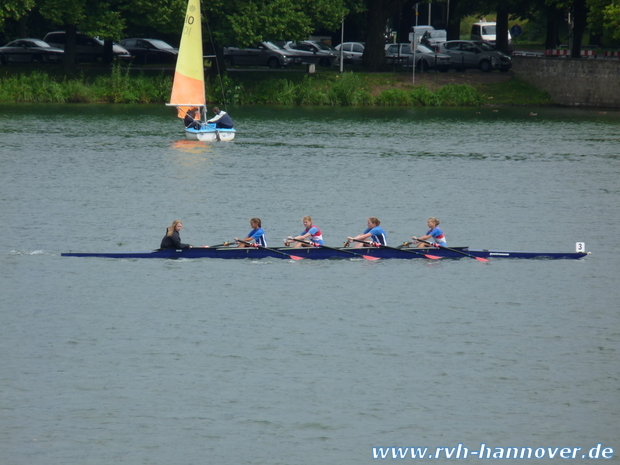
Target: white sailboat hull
{"x": 210, "y": 134}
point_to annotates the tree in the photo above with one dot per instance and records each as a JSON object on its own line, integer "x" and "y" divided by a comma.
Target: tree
{"x": 377, "y": 16}
{"x": 611, "y": 15}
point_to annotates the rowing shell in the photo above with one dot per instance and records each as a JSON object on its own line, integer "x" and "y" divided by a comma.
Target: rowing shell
{"x": 319, "y": 253}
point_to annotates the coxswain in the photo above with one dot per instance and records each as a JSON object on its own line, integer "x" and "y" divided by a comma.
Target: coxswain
{"x": 172, "y": 240}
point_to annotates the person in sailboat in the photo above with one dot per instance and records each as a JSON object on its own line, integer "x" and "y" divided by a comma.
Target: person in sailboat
{"x": 192, "y": 118}
{"x": 256, "y": 234}
{"x": 221, "y": 119}
{"x": 172, "y": 240}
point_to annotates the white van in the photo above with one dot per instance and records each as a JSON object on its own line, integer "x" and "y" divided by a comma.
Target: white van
{"x": 418, "y": 32}
{"x": 486, "y": 32}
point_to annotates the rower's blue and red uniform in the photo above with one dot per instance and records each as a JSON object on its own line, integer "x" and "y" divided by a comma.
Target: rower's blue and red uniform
{"x": 259, "y": 237}
{"x": 438, "y": 235}
{"x": 316, "y": 237}
{"x": 378, "y": 235}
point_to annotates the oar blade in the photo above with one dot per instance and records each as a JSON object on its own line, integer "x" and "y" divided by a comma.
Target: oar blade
{"x": 432, "y": 257}
{"x": 480, "y": 259}
{"x": 370, "y": 257}
{"x": 295, "y": 257}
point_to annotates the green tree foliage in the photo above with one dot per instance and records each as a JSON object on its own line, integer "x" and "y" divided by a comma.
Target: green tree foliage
{"x": 611, "y": 15}
{"x": 14, "y": 9}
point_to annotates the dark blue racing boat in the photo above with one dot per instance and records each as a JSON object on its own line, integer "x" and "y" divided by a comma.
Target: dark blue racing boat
{"x": 324, "y": 253}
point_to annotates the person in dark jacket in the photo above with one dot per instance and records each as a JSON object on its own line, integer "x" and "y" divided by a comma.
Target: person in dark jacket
{"x": 221, "y": 119}
{"x": 172, "y": 240}
{"x": 192, "y": 118}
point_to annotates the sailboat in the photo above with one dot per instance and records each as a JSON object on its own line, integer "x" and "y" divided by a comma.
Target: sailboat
{"x": 188, "y": 86}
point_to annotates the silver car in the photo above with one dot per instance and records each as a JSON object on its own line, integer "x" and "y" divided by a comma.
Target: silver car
{"x": 425, "y": 58}
{"x": 474, "y": 54}
{"x": 309, "y": 51}
{"x": 353, "y": 52}
{"x": 261, "y": 54}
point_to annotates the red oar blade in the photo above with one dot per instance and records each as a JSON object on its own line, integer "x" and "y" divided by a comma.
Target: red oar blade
{"x": 480, "y": 259}
{"x": 432, "y": 257}
{"x": 368, "y": 257}
{"x": 295, "y": 257}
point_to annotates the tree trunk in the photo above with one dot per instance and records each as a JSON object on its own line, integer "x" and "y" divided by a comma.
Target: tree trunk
{"x": 108, "y": 51}
{"x": 501, "y": 30}
{"x": 69, "y": 57}
{"x": 580, "y": 14}
{"x": 374, "y": 51}
{"x": 553, "y": 17}
{"x": 453, "y": 25}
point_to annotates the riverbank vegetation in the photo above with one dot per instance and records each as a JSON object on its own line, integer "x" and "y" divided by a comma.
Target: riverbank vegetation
{"x": 124, "y": 85}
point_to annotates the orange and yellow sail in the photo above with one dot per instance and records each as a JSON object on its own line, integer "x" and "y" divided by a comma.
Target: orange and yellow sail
{"x": 188, "y": 87}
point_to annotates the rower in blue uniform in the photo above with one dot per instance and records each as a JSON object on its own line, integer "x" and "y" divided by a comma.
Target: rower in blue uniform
{"x": 374, "y": 232}
{"x": 256, "y": 234}
{"x": 312, "y": 235}
{"x": 221, "y": 119}
{"x": 435, "y": 235}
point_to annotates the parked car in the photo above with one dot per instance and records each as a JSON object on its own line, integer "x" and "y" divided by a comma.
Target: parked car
{"x": 29, "y": 51}
{"x": 261, "y": 54}
{"x": 86, "y": 48}
{"x": 309, "y": 51}
{"x": 432, "y": 39}
{"x": 150, "y": 50}
{"x": 353, "y": 51}
{"x": 485, "y": 31}
{"x": 469, "y": 54}
{"x": 425, "y": 58}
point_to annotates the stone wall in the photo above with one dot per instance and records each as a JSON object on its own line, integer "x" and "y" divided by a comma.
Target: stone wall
{"x": 573, "y": 82}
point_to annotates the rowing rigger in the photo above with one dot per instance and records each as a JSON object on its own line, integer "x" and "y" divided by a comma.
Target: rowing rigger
{"x": 326, "y": 253}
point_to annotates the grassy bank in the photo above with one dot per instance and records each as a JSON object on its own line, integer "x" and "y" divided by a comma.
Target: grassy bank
{"x": 261, "y": 87}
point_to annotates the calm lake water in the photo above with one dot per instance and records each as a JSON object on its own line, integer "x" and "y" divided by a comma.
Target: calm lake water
{"x": 311, "y": 362}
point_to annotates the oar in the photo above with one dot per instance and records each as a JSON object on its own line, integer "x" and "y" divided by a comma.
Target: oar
{"x": 432, "y": 257}
{"x": 367, "y": 257}
{"x": 223, "y": 244}
{"x": 480, "y": 259}
{"x": 294, "y": 257}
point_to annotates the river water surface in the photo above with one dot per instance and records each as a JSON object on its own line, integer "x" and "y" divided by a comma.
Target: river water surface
{"x": 311, "y": 362}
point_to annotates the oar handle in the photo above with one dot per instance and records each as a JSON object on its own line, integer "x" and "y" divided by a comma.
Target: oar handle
{"x": 370, "y": 244}
{"x": 294, "y": 257}
{"x": 304, "y": 242}
{"x": 223, "y": 244}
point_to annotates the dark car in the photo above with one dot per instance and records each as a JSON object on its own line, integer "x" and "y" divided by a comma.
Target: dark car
{"x": 86, "y": 48}
{"x": 474, "y": 54}
{"x": 29, "y": 51}
{"x": 353, "y": 52}
{"x": 425, "y": 58}
{"x": 261, "y": 54}
{"x": 309, "y": 51}
{"x": 150, "y": 50}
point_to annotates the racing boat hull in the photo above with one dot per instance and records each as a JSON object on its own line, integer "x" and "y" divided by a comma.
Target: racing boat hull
{"x": 319, "y": 253}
